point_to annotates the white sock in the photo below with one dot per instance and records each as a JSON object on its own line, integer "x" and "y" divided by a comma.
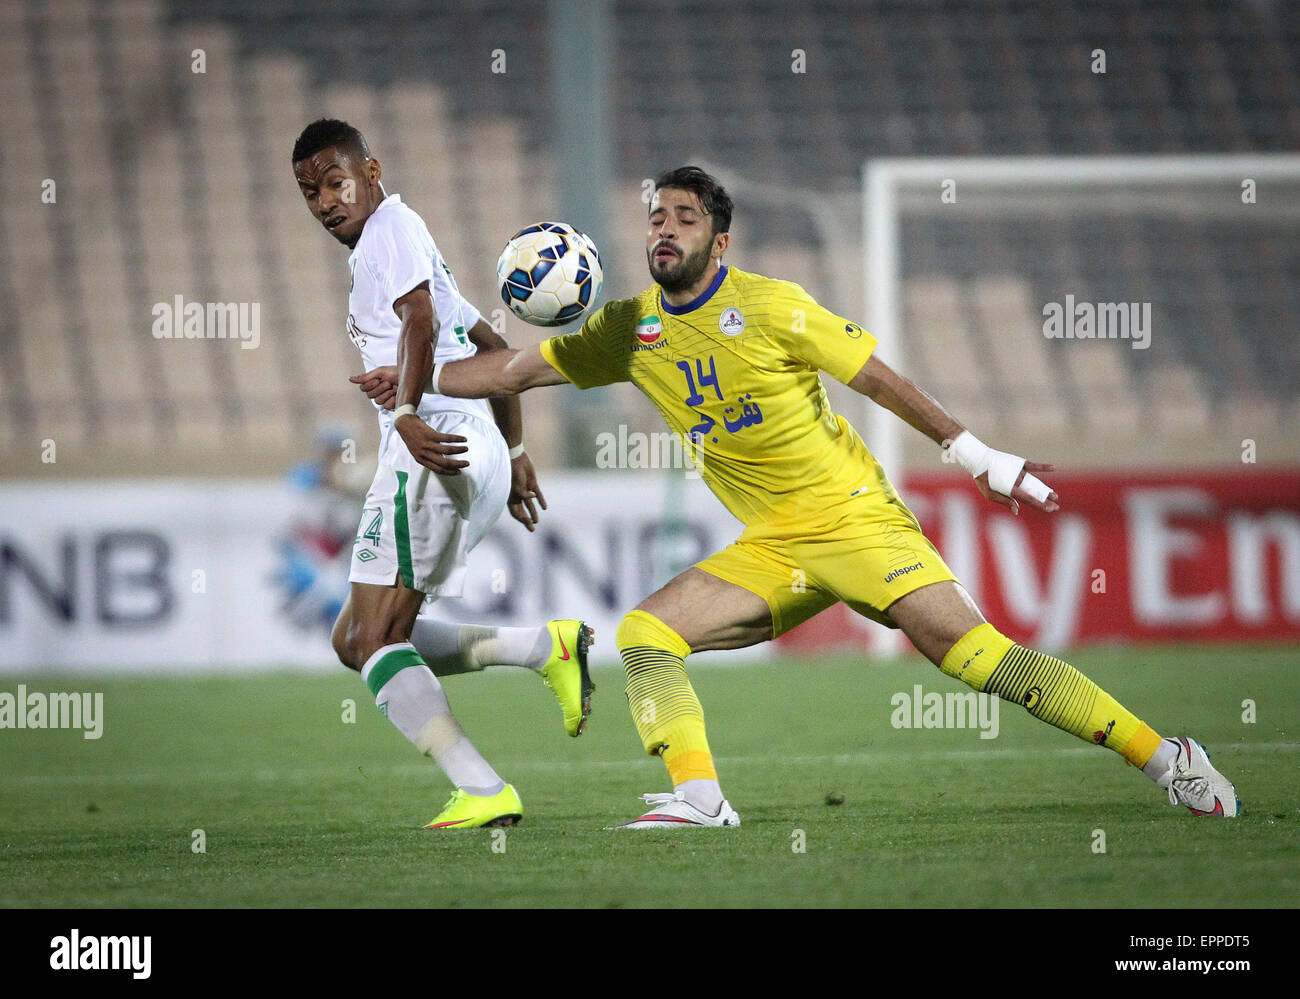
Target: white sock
{"x": 449, "y": 647}
{"x": 412, "y": 699}
{"x": 1157, "y": 768}
{"x": 704, "y": 794}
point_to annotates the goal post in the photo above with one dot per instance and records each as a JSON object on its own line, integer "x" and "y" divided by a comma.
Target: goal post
{"x": 1065, "y": 192}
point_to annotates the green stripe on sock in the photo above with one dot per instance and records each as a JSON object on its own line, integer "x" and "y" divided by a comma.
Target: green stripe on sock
{"x": 403, "y": 531}
{"x": 390, "y": 666}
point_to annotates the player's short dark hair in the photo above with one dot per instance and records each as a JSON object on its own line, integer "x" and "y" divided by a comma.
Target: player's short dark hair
{"x": 325, "y": 132}
{"x": 715, "y": 200}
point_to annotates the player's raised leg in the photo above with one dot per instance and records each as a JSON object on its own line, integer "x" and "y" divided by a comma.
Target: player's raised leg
{"x": 694, "y": 612}
{"x": 557, "y": 651}
{"x": 375, "y": 641}
{"x": 945, "y": 625}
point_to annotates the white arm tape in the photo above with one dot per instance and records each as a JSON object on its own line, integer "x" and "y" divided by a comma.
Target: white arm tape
{"x": 971, "y": 453}
{"x": 517, "y": 450}
{"x": 433, "y": 378}
{"x": 977, "y": 458}
{"x": 1003, "y": 470}
{"x": 1036, "y": 487}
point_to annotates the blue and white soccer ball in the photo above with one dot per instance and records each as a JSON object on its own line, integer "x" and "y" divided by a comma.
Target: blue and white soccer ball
{"x": 549, "y": 274}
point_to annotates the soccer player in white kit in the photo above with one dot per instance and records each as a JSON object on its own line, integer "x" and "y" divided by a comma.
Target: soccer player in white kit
{"x": 445, "y": 474}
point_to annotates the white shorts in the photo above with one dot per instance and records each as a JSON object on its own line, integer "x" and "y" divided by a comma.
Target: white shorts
{"x": 420, "y": 526}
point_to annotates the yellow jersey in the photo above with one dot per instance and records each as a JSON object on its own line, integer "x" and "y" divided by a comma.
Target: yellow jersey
{"x": 735, "y": 373}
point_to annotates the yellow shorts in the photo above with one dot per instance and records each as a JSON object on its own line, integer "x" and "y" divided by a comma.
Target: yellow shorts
{"x": 869, "y": 557}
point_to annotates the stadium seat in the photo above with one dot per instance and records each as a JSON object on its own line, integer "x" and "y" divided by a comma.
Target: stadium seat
{"x": 197, "y": 165}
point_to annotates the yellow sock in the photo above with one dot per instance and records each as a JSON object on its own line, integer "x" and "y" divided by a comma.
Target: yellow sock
{"x": 664, "y": 707}
{"x": 1050, "y": 690}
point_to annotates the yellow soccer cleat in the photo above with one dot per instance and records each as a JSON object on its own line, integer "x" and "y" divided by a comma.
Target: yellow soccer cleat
{"x": 566, "y": 671}
{"x": 471, "y": 811}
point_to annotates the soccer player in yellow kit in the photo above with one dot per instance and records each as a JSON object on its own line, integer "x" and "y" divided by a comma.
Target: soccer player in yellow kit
{"x": 732, "y": 360}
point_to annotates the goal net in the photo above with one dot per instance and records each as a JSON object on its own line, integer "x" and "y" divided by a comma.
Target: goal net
{"x": 1112, "y": 313}
{"x": 1100, "y": 310}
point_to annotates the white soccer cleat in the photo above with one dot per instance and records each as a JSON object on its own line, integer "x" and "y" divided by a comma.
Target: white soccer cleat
{"x": 674, "y": 811}
{"x": 1193, "y": 781}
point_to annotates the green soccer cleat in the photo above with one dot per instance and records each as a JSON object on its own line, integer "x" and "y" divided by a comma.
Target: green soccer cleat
{"x": 471, "y": 811}
{"x": 566, "y": 671}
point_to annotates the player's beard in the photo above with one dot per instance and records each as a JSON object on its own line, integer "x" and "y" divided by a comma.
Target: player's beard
{"x": 682, "y": 274}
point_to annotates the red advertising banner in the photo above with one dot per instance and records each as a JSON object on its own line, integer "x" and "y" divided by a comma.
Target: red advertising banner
{"x": 1138, "y": 557}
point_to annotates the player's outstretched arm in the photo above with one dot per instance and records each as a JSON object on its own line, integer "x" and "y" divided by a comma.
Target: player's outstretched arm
{"x": 502, "y": 372}
{"x": 1001, "y": 477}
{"x": 495, "y": 372}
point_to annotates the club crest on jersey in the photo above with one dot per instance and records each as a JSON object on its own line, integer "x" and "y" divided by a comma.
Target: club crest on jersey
{"x": 731, "y": 322}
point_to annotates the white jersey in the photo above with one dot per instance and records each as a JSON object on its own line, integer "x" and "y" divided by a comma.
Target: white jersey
{"x": 394, "y": 255}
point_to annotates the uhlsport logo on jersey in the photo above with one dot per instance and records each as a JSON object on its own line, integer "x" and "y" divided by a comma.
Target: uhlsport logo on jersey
{"x": 731, "y": 322}
{"x": 649, "y": 331}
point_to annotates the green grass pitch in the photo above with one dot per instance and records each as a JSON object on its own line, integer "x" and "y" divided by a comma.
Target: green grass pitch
{"x": 299, "y": 808}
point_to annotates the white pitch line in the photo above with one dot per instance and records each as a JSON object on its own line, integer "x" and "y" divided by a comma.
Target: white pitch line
{"x": 416, "y": 769}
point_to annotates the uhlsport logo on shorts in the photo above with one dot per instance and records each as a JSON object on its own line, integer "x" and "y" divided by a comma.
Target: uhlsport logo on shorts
{"x": 731, "y": 322}
{"x": 903, "y": 571}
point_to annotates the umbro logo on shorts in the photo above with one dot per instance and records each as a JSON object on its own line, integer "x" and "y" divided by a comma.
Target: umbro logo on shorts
{"x": 366, "y": 555}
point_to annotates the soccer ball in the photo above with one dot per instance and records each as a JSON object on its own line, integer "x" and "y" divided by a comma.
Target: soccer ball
{"x": 549, "y": 274}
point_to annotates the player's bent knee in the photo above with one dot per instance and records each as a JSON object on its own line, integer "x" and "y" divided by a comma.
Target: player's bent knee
{"x": 642, "y": 629}
{"x": 363, "y": 639}
{"x": 339, "y": 638}
{"x": 942, "y": 643}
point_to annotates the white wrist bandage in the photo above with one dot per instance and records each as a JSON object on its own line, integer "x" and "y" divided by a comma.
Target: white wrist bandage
{"x": 977, "y": 458}
{"x": 516, "y": 451}
{"x": 403, "y": 410}
{"x": 433, "y": 378}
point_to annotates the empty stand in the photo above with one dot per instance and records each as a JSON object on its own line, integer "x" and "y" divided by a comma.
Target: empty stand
{"x": 174, "y": 182}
